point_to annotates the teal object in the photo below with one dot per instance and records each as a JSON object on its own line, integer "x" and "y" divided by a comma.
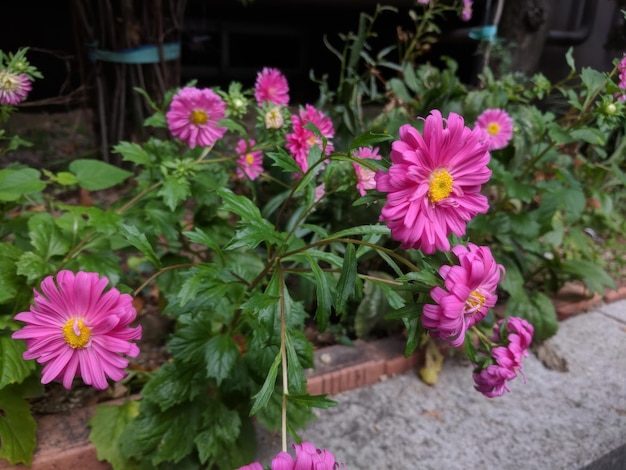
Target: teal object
{"x": 148, "y": 54}
{"x": 489, "y": 33}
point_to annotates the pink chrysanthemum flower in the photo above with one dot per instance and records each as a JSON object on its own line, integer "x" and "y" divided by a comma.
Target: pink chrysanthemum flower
{"x": 301, "y": 140}
{"x": 77, "y": 329}
{"x": 308, "y": 457}
{"x": 14, "y": 87}
{"x": 250, "y": 162}
{"x": 194, "y": 116}
{"x": 283, "y": 461}
{"x": 498, "y": 127}
{"x": 423, "y": 2}
{"x": 492, "y": 380}
{"x": 365, "y": 176}
{"x": 271, "y": 87}
{"x": 466, "y": 13}
{"x": 252, "y": 466}
{"x": 469, "y": 292}
{"x": 434, "y": 181}
{"x": 621, "y": 67}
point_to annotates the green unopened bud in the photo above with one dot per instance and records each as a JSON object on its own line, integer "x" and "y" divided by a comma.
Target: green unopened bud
{"x": 610, "y": 109}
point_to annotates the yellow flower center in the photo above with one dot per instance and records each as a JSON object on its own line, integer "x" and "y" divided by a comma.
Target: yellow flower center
{"x": 249, "y": 159}
{"x": 474, "y": 302}
{"x": 199, "y": 117}
{"x": 8, "y": 81}
{"x": 311, "y": 141}
{"x": 76, "y": 333}
{"x": 440, "y": 185}
{"x": 493, "y": 128}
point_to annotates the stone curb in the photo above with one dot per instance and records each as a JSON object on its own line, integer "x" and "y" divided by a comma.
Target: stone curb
{"x": 63, "y": 439}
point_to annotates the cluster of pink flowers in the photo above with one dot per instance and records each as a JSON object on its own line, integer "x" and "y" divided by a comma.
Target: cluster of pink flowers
{"x": 469, "y": 293}
{"x": 497, "y": 126}
{"x": 76, "y": 329}
{"x": 506, "y": 360}
{"x": 434, "y": 182}
{"x": 365, "y": 177}
{"x": 14, "y": 87}
{"x": 302, "y": 139}
{"x": 308, "y": 457}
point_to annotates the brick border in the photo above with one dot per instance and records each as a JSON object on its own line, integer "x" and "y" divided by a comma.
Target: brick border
{"x": 63, "y": 439}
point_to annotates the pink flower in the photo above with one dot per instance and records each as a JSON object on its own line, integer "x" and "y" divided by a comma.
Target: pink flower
{"x": 468, "y": 294}
{"x": 492, "y": 381}
{"x": 498, "y": 127}
{"x": 250, "y": 162}
{"x": 274, "y": 118}
{"x": 466, "y": 13}
{"x": 423, "y": 2}
{"x": 434, "y": 182}
{"x": 77, "y": 329}
{"x": 310, "y": 458}
{"x": 518, "y": 329}
{"x": 271, "y": 86}
{"x": 283, "y": 461}
{"x": 252, "y": 466}
{"x": 365, "y": 176}
{"x": 301, "y": 140}
{"x": 14, "y": 87}
{"x": 194, "y": 116}
{"x": 621, "y": 67}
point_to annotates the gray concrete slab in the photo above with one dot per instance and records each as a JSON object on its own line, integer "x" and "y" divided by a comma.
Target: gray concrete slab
{"x": 557, "y": 420}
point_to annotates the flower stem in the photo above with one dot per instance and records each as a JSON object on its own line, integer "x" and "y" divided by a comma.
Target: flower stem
{"x": 283, "y": 355}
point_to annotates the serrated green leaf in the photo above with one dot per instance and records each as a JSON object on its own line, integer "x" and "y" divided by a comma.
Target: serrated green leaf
{"x": 95, "y": 175}
{"x": 323, "y": 294}
{"x": 254, "y": 234}
{"x": 314, "y": 401}
{"x": 262, "y": 397}
{"x": 16, "y": 183}
{"x": 220, "y": 436}
{"x": 9, "y": 280}
{"x": 240, "y": 205}
{"x": 595, "y": 278}
{"x": 107, "y": 426}
{"x": 369, "y": 138}
{"x": 174, "y": 190}
{"x": 18, "y": 428}
{"x": 46, "y": 237}
{"x": 346, "y": 283}
{"x": 220, "y": 355}
{"x": 538, "y": 309}
{"x": 174, "y": 383}
{"x": 140, "y": 241}
{"x": 295, "y": 373}
{"x": 33, "y": 266}
{"x": 132, "y": 152}
{"x": 13, "y": 368}
{"x": 284, "y": 161}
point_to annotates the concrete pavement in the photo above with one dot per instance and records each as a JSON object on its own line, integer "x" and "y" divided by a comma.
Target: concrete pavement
{"x": 569, "y": 420}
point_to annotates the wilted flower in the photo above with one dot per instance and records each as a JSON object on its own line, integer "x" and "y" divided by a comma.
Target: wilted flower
{"x": 77, "y": 329}
{"x": 469, "y": 292}
{"x": 271, "y": 86}
{"x": 498, "y": 127}
{"x": 14, "y": 87}
{"x": 274, "y": 118}
{"x": 365, "y": 176}
{"x": 250, "y": 162}
{"x": 301, "y": 140}
{"x": 434, "y": 181}
{"x": 492, "y": 380}
{"x": 308, "y": 457}
{"x": 194, "y": 116}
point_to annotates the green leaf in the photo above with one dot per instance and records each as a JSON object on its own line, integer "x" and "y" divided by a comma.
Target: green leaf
{"x": 373, "y": 307}
{"x": 240, "y": 205}
{"x": 262, "y": 397}
{"x": 16, "y": 183}
{"x": 13, "y": 368}
{"x": 174, "y": 190}
{"x": 175, "y": 382}
{"x": 254, "y": 234}
{"x": 18, "y": 429}
{"x": 9, "y": 280}
{"x": 595, "y": 278}
{"x": 46, "y": 237}
{"x": 323, "y": 294}
{"x": 295, "y": 373}
{"x": 592, "y": 79}
{"x": 369, "y": 138}
{"x": 66, "y": 178}
{"x": 284, "y": 161}
{"x": 107, "y": 426}
{"x": 589, "y": 135}
{"x": 139, "y": 241}
{"x": 95, "y": 175}
{"x": 314, "y": 401}
{"x": 347, "y": 280}
{"x": 220, "y": 356}
{"x": 220, "y": 436}
{"x": 33, "y": 266}
{"x": 132, "y": 152}
{"x": 538, "y": 309}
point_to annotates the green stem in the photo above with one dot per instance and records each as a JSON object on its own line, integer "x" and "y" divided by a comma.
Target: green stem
{"x": 158, "y": 273}
{"x": 283, "y": 355}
